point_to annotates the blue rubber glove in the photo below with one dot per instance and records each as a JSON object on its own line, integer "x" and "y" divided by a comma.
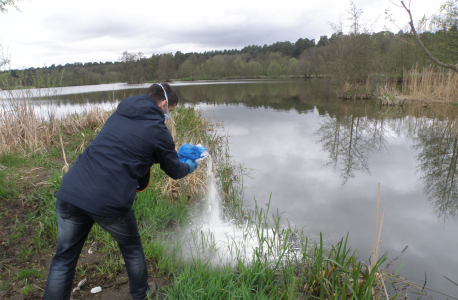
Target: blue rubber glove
{"x": 192, "y": 165}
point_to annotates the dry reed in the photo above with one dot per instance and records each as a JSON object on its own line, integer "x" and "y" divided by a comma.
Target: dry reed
{"x": 355, "y": 90}
{"x": 375, "y": 248}
{"x": 25, "y": 127}
{"x": 430, "y": 84}
{"x": 66, "y": 167}
{"x": 193, "y": 183}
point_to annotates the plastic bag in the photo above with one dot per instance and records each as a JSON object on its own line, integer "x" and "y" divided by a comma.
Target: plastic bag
{"x": 189, "y": 151}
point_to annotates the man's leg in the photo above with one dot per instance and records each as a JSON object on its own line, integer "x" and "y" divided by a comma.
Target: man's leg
{"x": 73, "y": 228}
{"x": 125, "y": 231}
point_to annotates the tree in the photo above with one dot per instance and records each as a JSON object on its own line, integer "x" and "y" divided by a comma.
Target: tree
{"x": 302, "y": 44}
{"x": 215, "y": 67}
{"x": 349, "y": 57}
{"x": 4, "y": 57}
{"x": 166, "y": 67}
{"x": 449, "y": 20}
{"x": 445, "y": 25}
{"x": 254, "y": 69}
{"x": 185, "y": 69}
{"x": 179, "y": 58}
{"x": 141, "y": 64}
{"x": 128, "y": 68}
{"x": 152, "y": 65}
{"x": 240, "y": 67}
{"x": 133, "y": 67}
{"x": 5, "y": 3}
{"x": 274, "y": 69}
{"x": 292, "y": 66}
{"x": 323, "y": 41}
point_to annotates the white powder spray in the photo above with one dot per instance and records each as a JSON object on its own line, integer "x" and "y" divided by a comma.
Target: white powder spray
{"x": 213, "y": 198}
{"x": 218, "y": 240}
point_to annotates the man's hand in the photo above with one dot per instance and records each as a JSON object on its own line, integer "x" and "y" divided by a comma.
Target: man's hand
{"x": 192, "y": 165}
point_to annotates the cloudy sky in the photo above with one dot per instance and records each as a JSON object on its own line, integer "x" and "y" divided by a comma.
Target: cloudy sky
{"x": 49, "y": 32}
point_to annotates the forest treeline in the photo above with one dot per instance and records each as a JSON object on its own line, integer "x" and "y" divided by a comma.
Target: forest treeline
{"x": 352, "y": 54}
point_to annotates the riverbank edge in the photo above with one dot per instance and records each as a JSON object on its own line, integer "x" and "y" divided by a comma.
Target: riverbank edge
{"x": 391, "y": 98}
{"x": 189, "y": 79}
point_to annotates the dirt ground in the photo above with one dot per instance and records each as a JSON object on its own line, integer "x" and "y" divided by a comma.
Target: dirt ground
{"x": 11, "y": 262}
{"x": 18, "y": 224}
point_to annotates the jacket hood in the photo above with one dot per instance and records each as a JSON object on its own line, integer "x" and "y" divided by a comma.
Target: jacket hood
{"x": 140, "y": 107}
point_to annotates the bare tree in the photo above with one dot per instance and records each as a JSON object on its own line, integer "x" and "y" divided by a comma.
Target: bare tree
{"x": 405, "y": 4}
{"x": 5, "y": 3}
{"x": 132, "y": 68}
{"x": 349, "y": 55}
{"x": 4, "y": 57}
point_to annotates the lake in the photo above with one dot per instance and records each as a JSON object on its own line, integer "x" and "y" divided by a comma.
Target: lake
{"x": 319, "y": 161}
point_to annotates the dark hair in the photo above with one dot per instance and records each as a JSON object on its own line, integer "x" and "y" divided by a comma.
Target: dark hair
{"x": 156, "y": 93}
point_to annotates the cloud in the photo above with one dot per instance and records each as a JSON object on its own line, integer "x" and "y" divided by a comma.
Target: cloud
{"x": 84, "y": 28}
{"x": 51, "y": 31}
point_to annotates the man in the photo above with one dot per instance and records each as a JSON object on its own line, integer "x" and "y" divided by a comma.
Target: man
{"x": 102, "y": 184}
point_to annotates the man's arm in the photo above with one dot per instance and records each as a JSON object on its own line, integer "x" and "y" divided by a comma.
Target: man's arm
{"x": 168, "y": 157}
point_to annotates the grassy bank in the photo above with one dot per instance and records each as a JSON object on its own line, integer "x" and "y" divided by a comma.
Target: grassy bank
{"x": 284, "y": 265}
{"x": 427, "y": 85}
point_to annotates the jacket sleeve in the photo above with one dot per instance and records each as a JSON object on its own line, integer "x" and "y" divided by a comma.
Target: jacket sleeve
{"x": 143, "y": 182}
{"x": 168, "y": 156}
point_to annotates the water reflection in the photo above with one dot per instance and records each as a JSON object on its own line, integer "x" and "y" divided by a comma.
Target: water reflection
{"x": 349, "y": 140}
{"x": 437, "y": 156}
{"x": 85, "y": 98}
{"x": 69, "y": 90}
{"x": 279, "y": 95}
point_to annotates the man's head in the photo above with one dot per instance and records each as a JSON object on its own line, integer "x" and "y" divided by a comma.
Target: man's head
{"x": 156, "y": 93}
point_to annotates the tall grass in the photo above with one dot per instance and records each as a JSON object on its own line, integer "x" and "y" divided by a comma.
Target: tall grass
{"x": 25, "y": 127}
{"x": 431, "y": 84}
{"x": 188, "y": 126}
{"x": 283, "y": 265}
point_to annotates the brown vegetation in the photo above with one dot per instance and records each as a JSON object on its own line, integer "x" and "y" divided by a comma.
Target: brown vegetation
{"x": 27, "y": 127}
{"x": 431, "y": 84}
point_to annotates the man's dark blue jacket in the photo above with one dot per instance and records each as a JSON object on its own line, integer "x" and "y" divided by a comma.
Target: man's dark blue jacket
{"x": 104, "y": 178}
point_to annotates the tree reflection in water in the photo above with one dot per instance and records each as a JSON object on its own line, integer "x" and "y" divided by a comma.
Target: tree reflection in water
{"x": 349, "y": 141}
{"x": 437, "y": 147}
{"x": 351, "y": 136}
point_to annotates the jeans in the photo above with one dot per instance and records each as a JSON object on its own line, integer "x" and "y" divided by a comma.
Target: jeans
{"x": 74, "y": 225}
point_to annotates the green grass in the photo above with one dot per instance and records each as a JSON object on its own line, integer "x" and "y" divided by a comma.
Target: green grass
{"x": 277, "y": 271}
{"x": 27, "y": 289}
{"x": 23, "y": 274}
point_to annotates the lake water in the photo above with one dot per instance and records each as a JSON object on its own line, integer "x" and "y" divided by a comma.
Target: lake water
{"x": 320, "y": 160}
